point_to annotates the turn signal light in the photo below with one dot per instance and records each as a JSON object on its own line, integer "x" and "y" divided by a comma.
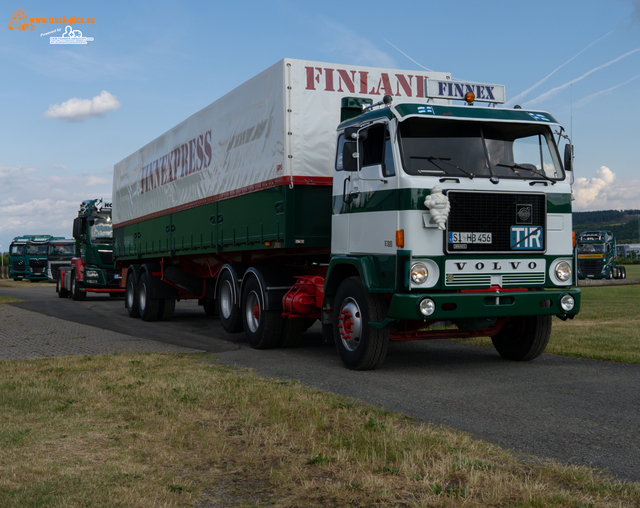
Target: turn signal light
{"x": 400, "y": 238}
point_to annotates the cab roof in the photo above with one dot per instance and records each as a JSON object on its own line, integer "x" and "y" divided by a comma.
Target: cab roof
{"x": 404, "y": 111}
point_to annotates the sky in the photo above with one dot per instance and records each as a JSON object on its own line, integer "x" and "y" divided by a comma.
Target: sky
{"x": 68, "y": 113}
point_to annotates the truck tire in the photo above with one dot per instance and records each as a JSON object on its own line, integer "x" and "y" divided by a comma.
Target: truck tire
{"x": 263, "y": 328}
{"x": 360, "y": 346}
{"x": 229, "y": 313}
{"x": 76, "y": 294}
{"x": 149, "y": 307}
{"x": 167, "y": 308}
{"x": 62, "y": 291}
{"x": 292, "y": 330}
{"x": 523, "y": 338}
{"x": 131, "y": 295}
{"x": 624, "y": 272}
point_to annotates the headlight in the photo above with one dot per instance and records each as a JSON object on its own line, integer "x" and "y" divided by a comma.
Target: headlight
{"x": 91, "y": 274}
{"x": 567, "y": 303}
{"x": 427, "y": 307}
{"x": 419, "y": 273}
{"x": 563, "y": 271}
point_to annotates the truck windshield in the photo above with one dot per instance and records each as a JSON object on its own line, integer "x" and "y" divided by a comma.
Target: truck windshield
{"x": 17, "y": 250}
{"x": 36, "y": 250}
{"x": 479, "y": 149}
{"x": 61, "y": 249}
{"x": 590, "y": 248}
{"x": 101, "y": 229}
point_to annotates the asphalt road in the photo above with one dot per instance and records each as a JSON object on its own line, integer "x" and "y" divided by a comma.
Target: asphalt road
{"x": 579, "y": 411}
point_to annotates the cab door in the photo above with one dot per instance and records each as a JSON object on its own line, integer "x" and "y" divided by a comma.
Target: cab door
{"x": 373, "y": 196}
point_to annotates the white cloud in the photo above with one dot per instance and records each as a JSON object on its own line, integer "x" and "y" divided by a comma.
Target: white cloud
{"x": 36, "y": 203}
{"x": 77, "y": 110}
{"x": 606, "y": 192}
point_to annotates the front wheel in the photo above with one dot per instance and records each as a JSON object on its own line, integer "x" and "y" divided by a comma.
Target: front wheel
{"x": 62, "y": 291}
{"x": 523, "y": 338}
{"x": 360, "y": 345}
{"x": 76, "y": 293}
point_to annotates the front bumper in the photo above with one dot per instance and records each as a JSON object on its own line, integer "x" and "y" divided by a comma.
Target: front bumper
{"x": 405, "y": 306}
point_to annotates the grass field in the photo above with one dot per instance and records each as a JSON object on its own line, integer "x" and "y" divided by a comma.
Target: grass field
{"x": 177, "y": 431}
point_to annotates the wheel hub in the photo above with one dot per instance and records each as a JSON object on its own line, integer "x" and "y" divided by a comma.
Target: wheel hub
{"x": 350, "y": 324}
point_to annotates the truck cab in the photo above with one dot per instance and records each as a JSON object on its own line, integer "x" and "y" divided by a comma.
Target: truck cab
{"x": 36, "y": 255}
{"x": 61, "y": 252}
{"x": 450, "y": 215}
{"x": 596, "y": 251}
{"x": 18, "y": 267}
{"x": 92, "y": 268}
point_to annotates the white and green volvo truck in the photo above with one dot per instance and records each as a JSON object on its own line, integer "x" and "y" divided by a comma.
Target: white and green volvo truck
{"x": 390, "y": 205}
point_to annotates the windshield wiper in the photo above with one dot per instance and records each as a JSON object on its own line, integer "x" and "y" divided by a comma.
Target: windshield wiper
{"x": 432, "y": 158}
{"x": 515, "y": 167}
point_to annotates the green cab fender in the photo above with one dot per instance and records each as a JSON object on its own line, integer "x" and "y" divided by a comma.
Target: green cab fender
{"x": 343, "y": 267}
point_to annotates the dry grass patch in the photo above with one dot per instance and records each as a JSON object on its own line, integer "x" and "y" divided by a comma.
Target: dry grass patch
{"x": 10, "y": 283}
{"x": 171, "y": 431}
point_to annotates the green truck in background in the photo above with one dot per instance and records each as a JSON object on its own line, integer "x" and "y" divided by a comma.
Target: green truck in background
{"x": 28, "y": 257}
{"x": 596, "y": 252}
{"x": 18, "y": 268}
{"x": 91, "y": 270}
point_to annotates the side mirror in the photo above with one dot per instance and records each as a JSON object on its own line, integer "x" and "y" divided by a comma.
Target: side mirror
{"x": 77, "y": 228}
{"x": 350, "y": 156}
{"x": 568, "y": 157}
{"x": 351, "y": 134}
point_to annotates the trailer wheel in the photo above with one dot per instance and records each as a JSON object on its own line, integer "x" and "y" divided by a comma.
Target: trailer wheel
{"x": 360, "y": 346}
{"x": 292, "y": 330}
{"x": 523, "y": 338}
{"x": 263, "y": 328}
{"x": 624, "y": 272}
{"x": 229, "y": 313}
{"x": 131, "y": 296}
{"x": 76, "y": 294}
{"x": 167, "y": 308}
{"x": 61, "y": 290}
{"x": 149, "y": 307}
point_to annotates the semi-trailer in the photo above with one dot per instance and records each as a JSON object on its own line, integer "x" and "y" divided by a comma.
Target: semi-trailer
{"x": 362, "y": 197}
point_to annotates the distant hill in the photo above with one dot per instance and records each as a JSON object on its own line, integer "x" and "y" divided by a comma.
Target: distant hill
{"x": 622, "y": 223}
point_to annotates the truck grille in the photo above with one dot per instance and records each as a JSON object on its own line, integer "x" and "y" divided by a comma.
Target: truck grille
{"x": 17, "y": 265}
{"x": 37, "y": 263}
{"x": 496, "y": 213}
{"x": 106, "y": 257}
{"x": 590, "y": 267}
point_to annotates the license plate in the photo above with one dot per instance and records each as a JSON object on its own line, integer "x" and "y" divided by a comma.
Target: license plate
{"x": 470, "y": 238}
